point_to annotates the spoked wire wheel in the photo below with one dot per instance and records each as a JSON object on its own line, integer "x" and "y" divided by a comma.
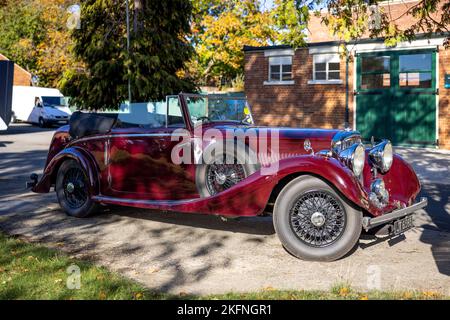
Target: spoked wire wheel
{"x": 318, "y": 218}
{"x": 220, "y": 177}
{"x": 75, "y": 188}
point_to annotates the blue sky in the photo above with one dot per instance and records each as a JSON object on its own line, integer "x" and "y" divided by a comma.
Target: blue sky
{"x": 266, "y": 4}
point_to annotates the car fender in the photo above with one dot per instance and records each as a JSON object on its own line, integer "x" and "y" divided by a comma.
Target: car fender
{"x": 82, "y": 157}
{"x": 329, "y": 170}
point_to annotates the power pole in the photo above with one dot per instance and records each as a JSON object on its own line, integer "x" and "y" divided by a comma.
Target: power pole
{"x": 128, "y": 47}
{"x": 347, "y": 93}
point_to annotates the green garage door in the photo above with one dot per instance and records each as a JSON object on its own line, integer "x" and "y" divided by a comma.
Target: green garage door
{"x": 396, "y": 96}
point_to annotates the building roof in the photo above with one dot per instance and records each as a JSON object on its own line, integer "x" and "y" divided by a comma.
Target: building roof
{"x": 3, "y": 57}
{"x": 337, "y": 43}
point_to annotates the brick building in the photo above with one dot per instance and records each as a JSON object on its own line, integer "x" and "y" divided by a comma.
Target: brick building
{"x": 401, "y": 92}
{"x": 21, "y": 76}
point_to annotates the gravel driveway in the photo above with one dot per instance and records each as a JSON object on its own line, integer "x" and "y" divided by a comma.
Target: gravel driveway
{"x": 200, "y": 254}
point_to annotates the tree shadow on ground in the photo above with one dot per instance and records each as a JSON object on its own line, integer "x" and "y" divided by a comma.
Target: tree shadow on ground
{"x": 438, "y": 210}
{"x": 24, "y": 128}
{"x": 248, "y": 225}
{"x": 15, "y": 170}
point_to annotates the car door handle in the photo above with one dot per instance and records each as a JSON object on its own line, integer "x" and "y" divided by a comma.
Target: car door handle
{"x": 163, "y": 143}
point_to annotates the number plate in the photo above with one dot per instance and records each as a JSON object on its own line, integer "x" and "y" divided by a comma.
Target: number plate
{"x": 403, "y": 224}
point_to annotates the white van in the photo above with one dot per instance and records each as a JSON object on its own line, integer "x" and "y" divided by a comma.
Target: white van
{"x": 43, "y": 106}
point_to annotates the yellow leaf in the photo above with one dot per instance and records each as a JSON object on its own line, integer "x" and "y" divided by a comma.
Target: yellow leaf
{"x": 152, "y": 270}
{"x": 269, "y": 288}
{"x": 344, "y": 291}
{"x": 430, "y": 294}
{"x": 138, "y": 296}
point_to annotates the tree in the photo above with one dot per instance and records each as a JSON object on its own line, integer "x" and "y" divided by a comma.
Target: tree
{"x": 158, "y": 52}
{"x": 291, "y": 18}
{"x": 35, "y": 36}
{"x": 53, "y": 54}
{"x": 21, "y": 32}
{"x": 352, "y": 19}
{"x": 220, "y": 29}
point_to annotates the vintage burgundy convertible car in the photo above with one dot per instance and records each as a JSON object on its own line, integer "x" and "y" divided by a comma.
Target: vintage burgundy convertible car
{"x": 203, "y": 154}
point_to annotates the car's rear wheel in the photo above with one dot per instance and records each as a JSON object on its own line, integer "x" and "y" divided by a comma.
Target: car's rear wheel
{"x": 42, "y": 122}
{"x": 72, "y": 190}
{"x": 314, "y": 222}
{"x": 221, "y": 174}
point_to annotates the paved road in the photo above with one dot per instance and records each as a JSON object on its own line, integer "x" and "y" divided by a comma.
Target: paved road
{"x": 189, "y": 253}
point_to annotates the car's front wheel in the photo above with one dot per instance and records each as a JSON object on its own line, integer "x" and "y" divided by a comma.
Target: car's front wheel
{"x": 72, "y": 190}
{"x": 314, "y": 222}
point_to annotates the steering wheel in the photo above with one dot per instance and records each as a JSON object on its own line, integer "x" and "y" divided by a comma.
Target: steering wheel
{"x": 203, "y": 118}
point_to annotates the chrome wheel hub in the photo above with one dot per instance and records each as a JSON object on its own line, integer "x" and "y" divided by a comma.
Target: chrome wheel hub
{"x": 70, "y": 187}
{"x": 317, "y": 219}
{"x": 220, "y": 178}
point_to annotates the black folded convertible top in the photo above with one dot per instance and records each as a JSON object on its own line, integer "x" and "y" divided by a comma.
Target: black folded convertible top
{"x": 86, "y": 124}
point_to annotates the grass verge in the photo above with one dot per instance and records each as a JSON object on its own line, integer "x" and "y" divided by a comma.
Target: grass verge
{"x": 30, "y": 271}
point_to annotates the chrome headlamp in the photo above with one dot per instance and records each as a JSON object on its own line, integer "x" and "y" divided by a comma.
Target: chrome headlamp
{"x": 354, "y": 158}
{"x": 382, "y": 155}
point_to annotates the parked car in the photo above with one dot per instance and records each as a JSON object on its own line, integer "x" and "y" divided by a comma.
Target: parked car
{"x": 42, "y": 106}
{"x": 323, "y": 187}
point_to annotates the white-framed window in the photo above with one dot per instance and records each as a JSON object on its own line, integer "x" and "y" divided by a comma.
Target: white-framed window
{"x": 280, "y": 69}
{"x": 326, "y": 68}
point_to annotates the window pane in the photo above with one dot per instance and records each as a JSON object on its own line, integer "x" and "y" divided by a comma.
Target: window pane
{"x": 318, "y": 58}
{"x": 275, "y": 76}
{"x": 275, "y": 73}
{"x": 415, "y": 62}
{"x": 286, "y": 60}
{"x": 287, "y": 68}
{"x": 375, "y": 81}
{"x": 321, "y": 66}
{"x": 143, "y": 115}
{"x": 280, "y": 60}
{"x": 174, "y": 117}
{"x": 415, "y": 80}
{"x": 275, "y": 69}
{"x": 333, "y": 66}
{"x": 333, "y": 75}
{"x": 321, "y": 76}
{"x": 287, "y": 76}
{"x": 369, "y": 64}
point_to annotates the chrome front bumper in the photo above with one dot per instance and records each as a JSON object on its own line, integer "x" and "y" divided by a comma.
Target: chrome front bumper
{"x": 369, "y": 223}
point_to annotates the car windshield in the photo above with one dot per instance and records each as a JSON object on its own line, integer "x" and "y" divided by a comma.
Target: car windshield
{"x": 54, "y": 101}
{"x": 215, "y": 108}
